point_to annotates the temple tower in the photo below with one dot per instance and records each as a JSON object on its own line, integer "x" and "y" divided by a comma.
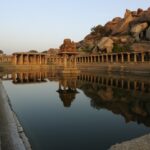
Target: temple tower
{"x": 68, "y": 53}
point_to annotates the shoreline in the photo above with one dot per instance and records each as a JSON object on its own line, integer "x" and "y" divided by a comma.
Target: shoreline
{"x": 12, "y": 133}
{"x": 138, "y": 143}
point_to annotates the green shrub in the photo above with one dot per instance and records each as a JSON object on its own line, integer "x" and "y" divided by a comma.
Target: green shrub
{"x": 121, "y": 48}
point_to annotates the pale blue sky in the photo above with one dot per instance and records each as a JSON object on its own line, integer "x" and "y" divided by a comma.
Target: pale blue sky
{"x": 41, "y": 24}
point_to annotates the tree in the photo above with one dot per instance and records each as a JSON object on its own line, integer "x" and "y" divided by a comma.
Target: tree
{"x": 1, "y": 52}
{"x": 33, "y": 51}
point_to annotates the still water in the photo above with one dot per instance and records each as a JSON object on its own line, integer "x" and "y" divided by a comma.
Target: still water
{"x": 84, "y": 112}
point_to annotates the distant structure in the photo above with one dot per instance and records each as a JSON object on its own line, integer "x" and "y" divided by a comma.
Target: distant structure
{"x": 29, "y": 58}
{"x": 68, "y": 52}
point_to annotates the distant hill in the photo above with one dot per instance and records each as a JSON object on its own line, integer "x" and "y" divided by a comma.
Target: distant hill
{"x": 132, "y": 32}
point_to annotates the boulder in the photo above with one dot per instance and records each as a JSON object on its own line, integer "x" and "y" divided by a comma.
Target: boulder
{"x": 148, "y": 34}
{"x": 106, "y": 95}
{"x": 127, "y": 13}
{"x": 106, "y": 43}
{"x": 137, "y": 29}
{"x": 123, "y": 26}
{"x": 139, "y": 11}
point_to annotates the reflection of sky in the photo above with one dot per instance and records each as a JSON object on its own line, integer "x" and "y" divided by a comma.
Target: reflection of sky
{"x": 50, "y": 125}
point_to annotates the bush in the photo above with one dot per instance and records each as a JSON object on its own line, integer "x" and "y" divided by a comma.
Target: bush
{"x": 121, "y": 48}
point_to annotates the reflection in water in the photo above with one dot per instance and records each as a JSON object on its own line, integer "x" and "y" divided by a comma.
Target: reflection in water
{"x": 50, "y": 126}
{"x": 67, "y": 89}
{"x": 29, "y": 77}
{"x": 126, "y": 96}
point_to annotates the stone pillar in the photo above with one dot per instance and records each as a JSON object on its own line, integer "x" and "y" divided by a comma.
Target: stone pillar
{"x": 102, "y": 58}
{"x": 46, "y": 59}
{"x": 65, "y": 60}
{"x": 117, "y": 58}
{"x": 21, "y": 59}
{"x": 111, "y": 59}
{"x": 98, "y": 59}
{"x": 34, "y": 59}
{"x": 142, "y": 57}
{"x": 122, "y": 57}
{"x": 28, "y": 59}
{"x": 15, "y": 59}
{"x": 107, "y": 58}
{"x": 40, "y": 59}
{"x": 74, "y": 63}
{"x": 135, "y": 58}
{"x": 128, "y": 57}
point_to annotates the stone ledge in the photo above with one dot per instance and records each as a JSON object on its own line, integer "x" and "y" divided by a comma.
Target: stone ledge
{"x": 141, "y": 143}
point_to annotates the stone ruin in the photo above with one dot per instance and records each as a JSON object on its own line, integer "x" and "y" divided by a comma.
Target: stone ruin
{"x": 68, "y": 46}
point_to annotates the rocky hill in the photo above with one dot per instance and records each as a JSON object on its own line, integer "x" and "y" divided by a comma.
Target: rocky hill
{"x": 132, "y": 32}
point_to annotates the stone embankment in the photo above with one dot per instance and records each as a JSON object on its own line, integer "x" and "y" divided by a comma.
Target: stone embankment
{"x": 12, "y": 136}
{"x": 141, "y": 143}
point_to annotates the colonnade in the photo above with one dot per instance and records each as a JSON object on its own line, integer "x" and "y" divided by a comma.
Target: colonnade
{"x": 5, "y": 58}
{"x": 29, "y": 59}
{"x": 115, "y": 57}
{"x": 130, "y": 84}
{"x": 65, "y": 60}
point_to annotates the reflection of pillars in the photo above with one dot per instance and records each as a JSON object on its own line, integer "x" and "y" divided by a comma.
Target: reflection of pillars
{"x": 21, "y": 77}
{"x": 116, "y": 82}
{"x": 142, "y": 55}
{"x": 142, "y": 87}
{"x": 40, "y": 76}
{"x": 64, "y": 84}
{"x": 34, "y": 77}
{"x": 59, "y": 86}
{"x": 107, "y": 81}
{"x": 111, "y": 82}
{"x": 102, "y": 81}
{"x": 128, "y": 57}
{"x": 122, "y": 83}
{"x": 135, "y": 58}
{"x": 14, "y": 77}
{"x": 135, "y": 85}
{"x": 128, "y": 85}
